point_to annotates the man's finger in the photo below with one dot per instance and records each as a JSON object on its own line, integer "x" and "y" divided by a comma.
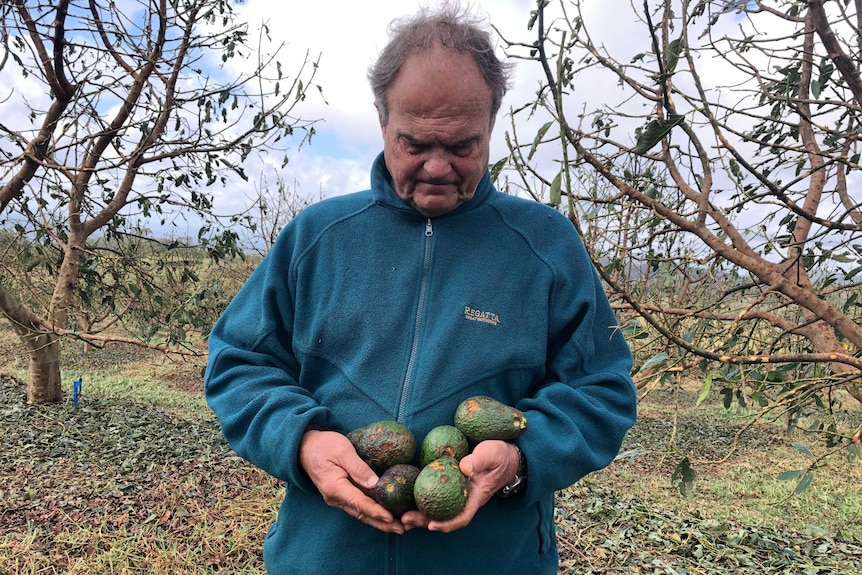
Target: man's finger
{"x": 359, "y": 472}
{"x": 364, "y": 509}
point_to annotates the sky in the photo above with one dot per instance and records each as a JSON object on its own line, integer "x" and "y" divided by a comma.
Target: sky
{"x": 346, "y": 36}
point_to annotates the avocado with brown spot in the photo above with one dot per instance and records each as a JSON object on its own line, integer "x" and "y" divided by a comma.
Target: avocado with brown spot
{"x": 394, "y": 489}
{"x": 441, "y": 490}
{"x": 443, "y": 441}
{"x": 382, "y": 444}
{"x": 482, "y": 417}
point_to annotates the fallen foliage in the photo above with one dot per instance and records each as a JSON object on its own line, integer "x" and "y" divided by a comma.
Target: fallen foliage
{"x": 603, "y": 532}
{"x": 114, "y": 486}
{"x": 111, "y": 486}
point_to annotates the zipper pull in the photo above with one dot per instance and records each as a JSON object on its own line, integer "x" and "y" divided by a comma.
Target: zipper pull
{"x": 429, "y": 229}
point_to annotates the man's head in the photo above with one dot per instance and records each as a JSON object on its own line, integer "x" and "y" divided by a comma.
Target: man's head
{"x": 451, "y": 27}
{"x": 438, "y": 87}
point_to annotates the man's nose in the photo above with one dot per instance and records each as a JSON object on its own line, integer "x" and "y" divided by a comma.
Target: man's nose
{"x": 437, "y": 165}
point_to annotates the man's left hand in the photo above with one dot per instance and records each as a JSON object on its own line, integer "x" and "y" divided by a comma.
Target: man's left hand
{"x": 490, "y": 466}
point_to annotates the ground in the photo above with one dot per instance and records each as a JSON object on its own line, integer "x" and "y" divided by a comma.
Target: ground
{"x": 128, "y": 485}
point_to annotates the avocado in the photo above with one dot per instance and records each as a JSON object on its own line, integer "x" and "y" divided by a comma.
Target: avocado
{"x": 482, "y": 417}
{"x": 443, "y": 441}
{"x": 441, "y": 489}
{"x": 382, "y": 444}
{"x": 394, "y": 489}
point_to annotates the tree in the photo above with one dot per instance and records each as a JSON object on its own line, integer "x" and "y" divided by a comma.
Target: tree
{"x": 713, "y": 184}
{"x": 127, "y": 117}
{"x": 271, "y": 209}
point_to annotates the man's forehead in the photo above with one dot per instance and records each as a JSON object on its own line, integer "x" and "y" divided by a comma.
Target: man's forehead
{"x": 440, "y": 71}
{"x": 462, "y": 122}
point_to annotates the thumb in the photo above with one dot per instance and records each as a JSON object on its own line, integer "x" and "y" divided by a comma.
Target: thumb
{"x": 360, "y": 473}
{"x": 466, "y": 465}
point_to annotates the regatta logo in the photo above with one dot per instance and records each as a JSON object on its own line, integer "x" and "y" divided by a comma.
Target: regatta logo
{"x": 483, "y": 316}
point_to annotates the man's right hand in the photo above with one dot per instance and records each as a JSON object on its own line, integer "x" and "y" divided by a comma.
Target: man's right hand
{"x": 340, "y": 475}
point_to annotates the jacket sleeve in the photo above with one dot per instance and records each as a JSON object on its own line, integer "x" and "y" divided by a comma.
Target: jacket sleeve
{"x": 579, "y": 414}
{"x": 252, "y": 375}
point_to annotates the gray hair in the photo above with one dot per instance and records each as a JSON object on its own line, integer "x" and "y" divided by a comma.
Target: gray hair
{"x": 453, "y": 28}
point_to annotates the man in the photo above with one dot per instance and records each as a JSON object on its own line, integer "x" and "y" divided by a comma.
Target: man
{"x": 399, "y": 303}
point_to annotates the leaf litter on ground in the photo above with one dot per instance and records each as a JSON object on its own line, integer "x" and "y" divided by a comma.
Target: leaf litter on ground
{"x": 601, "y": 531}
{"x": 115, "y": 465}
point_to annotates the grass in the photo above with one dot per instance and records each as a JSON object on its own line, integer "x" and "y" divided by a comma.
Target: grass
{"x": 747, "y": 486}
{"x": 137, "y": 479}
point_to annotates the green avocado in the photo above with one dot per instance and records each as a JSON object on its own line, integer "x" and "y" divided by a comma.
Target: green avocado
{"x": 443, "y": 441}
{"x": 482, "y": 417}
{"x": 394, "y": 489}
{"x": 383, "y": 444}
{"x": 441, "y": 489}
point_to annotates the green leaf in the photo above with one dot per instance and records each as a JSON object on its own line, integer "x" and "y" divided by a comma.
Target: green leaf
{"x": 674, "y": 51}
{"x": 804, "y": 483}
{"x": 854, "y": 453}
{"x": 556, "y": 194}
{"x": 815, "y": 89}
{"x": 653, "y": 361}
{"x": 683, "y": 477}
{"x": 826, "y": 68}
{"x": 791, "y": 475}
{"x": 727, "y": 392}
{"x": 497, "y": 167}
{"x": 734, "y": 169}
{"x": 802, "y": 448}
{"x": 704, "y": 390}
{"x": 776, "y": 375}
{"x": 539, "y": 135}
{"x": 654, "y": 132}
{"x": 631, "y": 454}
{"x": 851, "y": 301}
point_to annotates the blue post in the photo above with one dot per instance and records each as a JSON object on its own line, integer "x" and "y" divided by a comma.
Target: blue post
{"x": 76, "y": 391}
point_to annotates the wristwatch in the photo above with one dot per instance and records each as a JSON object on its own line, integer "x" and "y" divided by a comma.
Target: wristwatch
{"x": 520, "y": 481}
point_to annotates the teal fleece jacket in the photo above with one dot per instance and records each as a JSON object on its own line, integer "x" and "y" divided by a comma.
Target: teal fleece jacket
{"x": 365, "y": 310}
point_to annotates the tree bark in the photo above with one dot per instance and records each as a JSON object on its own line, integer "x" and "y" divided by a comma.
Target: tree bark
{"x": 45, "y": 384}
{"x": 43, "y": 346}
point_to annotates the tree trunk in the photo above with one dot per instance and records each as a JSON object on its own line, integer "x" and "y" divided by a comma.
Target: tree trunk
{"x": 823, "y": 340}
{"x": 45, "y": 384}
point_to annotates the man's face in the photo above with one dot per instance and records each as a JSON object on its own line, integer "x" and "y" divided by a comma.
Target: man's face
{"x": 436, "y": 140}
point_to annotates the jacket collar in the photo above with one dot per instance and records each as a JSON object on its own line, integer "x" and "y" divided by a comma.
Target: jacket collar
{"x": 384, "y": 193}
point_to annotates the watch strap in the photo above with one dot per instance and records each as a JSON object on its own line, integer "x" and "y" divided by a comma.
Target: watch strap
{"x": 520, "y": 481}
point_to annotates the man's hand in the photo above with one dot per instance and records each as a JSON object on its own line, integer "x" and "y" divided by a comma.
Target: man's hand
{"x": 490, "y": 466}
{"x": 340, "y": 475}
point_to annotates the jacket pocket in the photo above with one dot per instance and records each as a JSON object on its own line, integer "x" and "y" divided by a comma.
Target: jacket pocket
{"x": 547, "y": 530}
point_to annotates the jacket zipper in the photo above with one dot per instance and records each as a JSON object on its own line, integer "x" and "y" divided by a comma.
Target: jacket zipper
{"x": 420, "y": 312}
{"x": 411, "y": 363}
